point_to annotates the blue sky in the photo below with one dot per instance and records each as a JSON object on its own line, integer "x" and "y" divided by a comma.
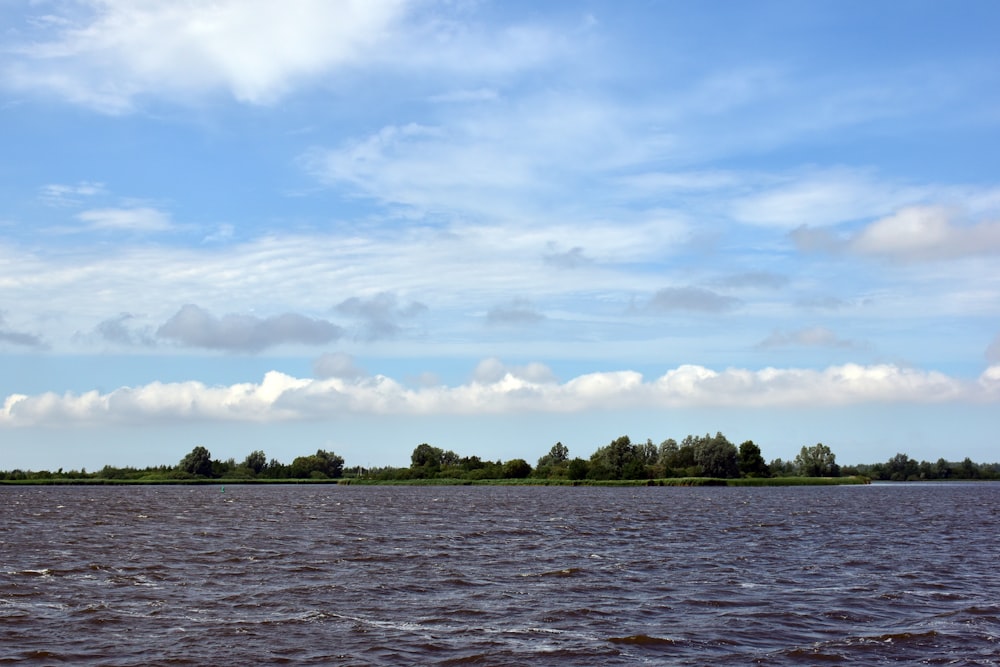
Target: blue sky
{"x": 490, "y": 226}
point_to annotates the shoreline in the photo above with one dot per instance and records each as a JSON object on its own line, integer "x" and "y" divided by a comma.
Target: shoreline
{"x": 349, "y": 481}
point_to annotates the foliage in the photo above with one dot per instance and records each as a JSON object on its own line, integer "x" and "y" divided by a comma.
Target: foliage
{"x": 198, "y": 462}
{"x": 696, "y": 459}
{"x": 817, "y": 461}
{"x": 751, "y": 461}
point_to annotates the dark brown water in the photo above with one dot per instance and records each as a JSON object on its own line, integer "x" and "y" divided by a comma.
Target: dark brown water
{"x": 500, "y": 575}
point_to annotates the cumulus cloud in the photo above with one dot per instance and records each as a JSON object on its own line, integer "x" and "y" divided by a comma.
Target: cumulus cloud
{"x": 498, "y": 389}
{"x": 137, "y": 219}
{"x": 691, "y": 300}
{"x": 114, "y": 51}
{"x": 926, "y": 232}
{"x": 380, "y": 315}
{"x": 517, "y": 312}
{"x": 809, "y": 337}
{"x": 195, "y": 327}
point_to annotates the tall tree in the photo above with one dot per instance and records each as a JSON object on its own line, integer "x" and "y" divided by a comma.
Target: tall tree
{"x": 197, "y": 462}
{"x": 817, "y": 461}
{"x": 751, "y": 462}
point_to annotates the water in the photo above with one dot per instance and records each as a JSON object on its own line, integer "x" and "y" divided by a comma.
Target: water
{"x": 349, "y": 575}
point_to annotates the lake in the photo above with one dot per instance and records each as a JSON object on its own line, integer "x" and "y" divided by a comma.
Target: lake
{"x": 492, "y": 575}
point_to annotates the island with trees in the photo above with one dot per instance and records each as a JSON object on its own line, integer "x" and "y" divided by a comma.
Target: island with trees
{"x": 694, "y": 461}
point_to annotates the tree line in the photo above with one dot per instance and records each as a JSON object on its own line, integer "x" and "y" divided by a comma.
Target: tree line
{"x": 621, "y": 459}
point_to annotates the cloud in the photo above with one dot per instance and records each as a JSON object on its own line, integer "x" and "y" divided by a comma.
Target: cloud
{"x": 59, "y": 195}
{"x": 821, "y": 303}
{"x": 911, "y": 233}
{"x": 820, "y": 198}
{"x": 765, "y": 279}
{"x": 380, "y": 314}
{"x": 466, "y": 96}
{"x": 491, "y": 371}
{"x": 810, "y": 337}
{"x": 993, "y": 351}
{"x": 570, "y": 259}
{"x": 195, "y": 327}
{"x": 19, "y": 338}
{"x": 499, "y": 389}
{"x": 138, "y": 219}
{"x": 926, "y": 233}
{"x": 113, "y": 52}
{"x": 517, "y": 312}
{"x": 690, "y": 299}
{"x": 337, "y": 365}
{"x": 115, "y": 330}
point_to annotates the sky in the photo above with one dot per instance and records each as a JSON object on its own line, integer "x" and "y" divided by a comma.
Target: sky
{"x": 490, "y": 226}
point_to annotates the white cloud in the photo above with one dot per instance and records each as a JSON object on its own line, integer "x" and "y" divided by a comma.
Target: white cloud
{"x": 820, "y": 198}
{"x": 498, "y": 389}
{"x": 926, "y": 232}
{"x": 56, "y": 194}
{"x": 109, "y": 55}
{"x": 137, "y": 219}
{"x": 256, "y": 49}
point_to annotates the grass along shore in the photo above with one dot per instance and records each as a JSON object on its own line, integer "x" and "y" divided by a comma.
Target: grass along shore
{"x": 345, "y": 481}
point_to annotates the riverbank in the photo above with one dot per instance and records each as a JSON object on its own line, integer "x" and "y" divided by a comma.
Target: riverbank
{"x": 670, "y": 481}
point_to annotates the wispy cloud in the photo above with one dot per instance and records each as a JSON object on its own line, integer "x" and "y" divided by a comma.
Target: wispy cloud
{"x": 55, "y": 194}
{"x": 137, "y": 219}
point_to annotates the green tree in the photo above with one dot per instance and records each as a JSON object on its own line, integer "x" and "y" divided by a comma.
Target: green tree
{"x": 751, "y": 462}
{"x": 197, "y": 462}
{"x": 516, "y": 469}
{"x": 319, "y": 465}
{"x": 255, "y": 461}
{"x": 817, "y": 461}
{"x": 716, "y": 456}
{"x": 577, "y": 469}
{"x": 609, "y": 462}
{"x": 426, "y": 456}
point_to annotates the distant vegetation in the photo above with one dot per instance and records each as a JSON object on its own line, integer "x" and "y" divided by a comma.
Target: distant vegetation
{"x": 694, "y": 458}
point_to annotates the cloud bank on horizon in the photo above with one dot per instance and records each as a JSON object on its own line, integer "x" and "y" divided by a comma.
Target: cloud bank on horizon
{"x": 657, "y": 208}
